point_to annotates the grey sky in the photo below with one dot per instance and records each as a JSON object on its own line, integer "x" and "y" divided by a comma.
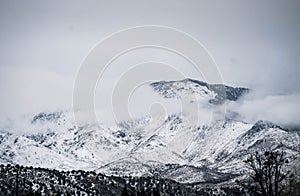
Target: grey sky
{"x": 254, "y": 43}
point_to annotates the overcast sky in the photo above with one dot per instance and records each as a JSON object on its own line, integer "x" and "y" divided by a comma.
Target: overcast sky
{"x": 254, "y": 43}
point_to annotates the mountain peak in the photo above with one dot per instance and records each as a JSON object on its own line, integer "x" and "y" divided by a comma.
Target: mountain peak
{"x": 46, "y": 116}
{"x": 217, "y": 93}
{"x": 264, "y": 124}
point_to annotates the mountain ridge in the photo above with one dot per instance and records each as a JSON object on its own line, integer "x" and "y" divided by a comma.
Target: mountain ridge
{"x": 175, "y": 148}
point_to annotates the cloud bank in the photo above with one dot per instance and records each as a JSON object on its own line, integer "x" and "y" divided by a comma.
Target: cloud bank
{"x": 283, "y": 110}
{"x": 30, "y": 90}
{"x": 255, "y": 44}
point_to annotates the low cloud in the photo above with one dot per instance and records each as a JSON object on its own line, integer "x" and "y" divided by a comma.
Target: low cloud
{"x": 283, "y": 110}
{"x": 29, "y": 90}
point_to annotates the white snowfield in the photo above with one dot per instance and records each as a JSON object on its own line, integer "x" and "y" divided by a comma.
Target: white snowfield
{"x": 209, "y": 151}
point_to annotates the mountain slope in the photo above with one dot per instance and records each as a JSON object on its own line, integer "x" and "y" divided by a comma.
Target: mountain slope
{"x": 175, "y": 149}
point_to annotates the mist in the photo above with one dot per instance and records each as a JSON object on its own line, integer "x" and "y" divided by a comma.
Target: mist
{"x": 283, "y": 110}
{"x": 254, "y": 44}
{"x": 32, "y": 90}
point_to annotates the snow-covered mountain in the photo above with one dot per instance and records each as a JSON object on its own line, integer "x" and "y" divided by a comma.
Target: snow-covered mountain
{"x": 174, "y": 149}
{"x": 217, "y": 93}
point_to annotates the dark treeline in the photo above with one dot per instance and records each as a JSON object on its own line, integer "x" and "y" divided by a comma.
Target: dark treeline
{"x": 20, "y": 180}
{"x": 269, "y": 174}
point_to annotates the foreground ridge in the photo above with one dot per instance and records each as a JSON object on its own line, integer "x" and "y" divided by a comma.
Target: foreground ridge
{"x": 15, "y": 179}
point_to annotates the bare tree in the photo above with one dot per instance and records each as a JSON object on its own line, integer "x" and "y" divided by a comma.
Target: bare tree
{"x": 269, "y": 176}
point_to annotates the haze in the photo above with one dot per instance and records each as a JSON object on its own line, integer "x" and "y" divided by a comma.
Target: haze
{"x": 255, "y": 44}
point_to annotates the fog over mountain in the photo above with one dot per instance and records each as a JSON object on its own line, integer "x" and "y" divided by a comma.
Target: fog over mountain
{"x": 254, "y": 44}
{"x": 149, "y": 97}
